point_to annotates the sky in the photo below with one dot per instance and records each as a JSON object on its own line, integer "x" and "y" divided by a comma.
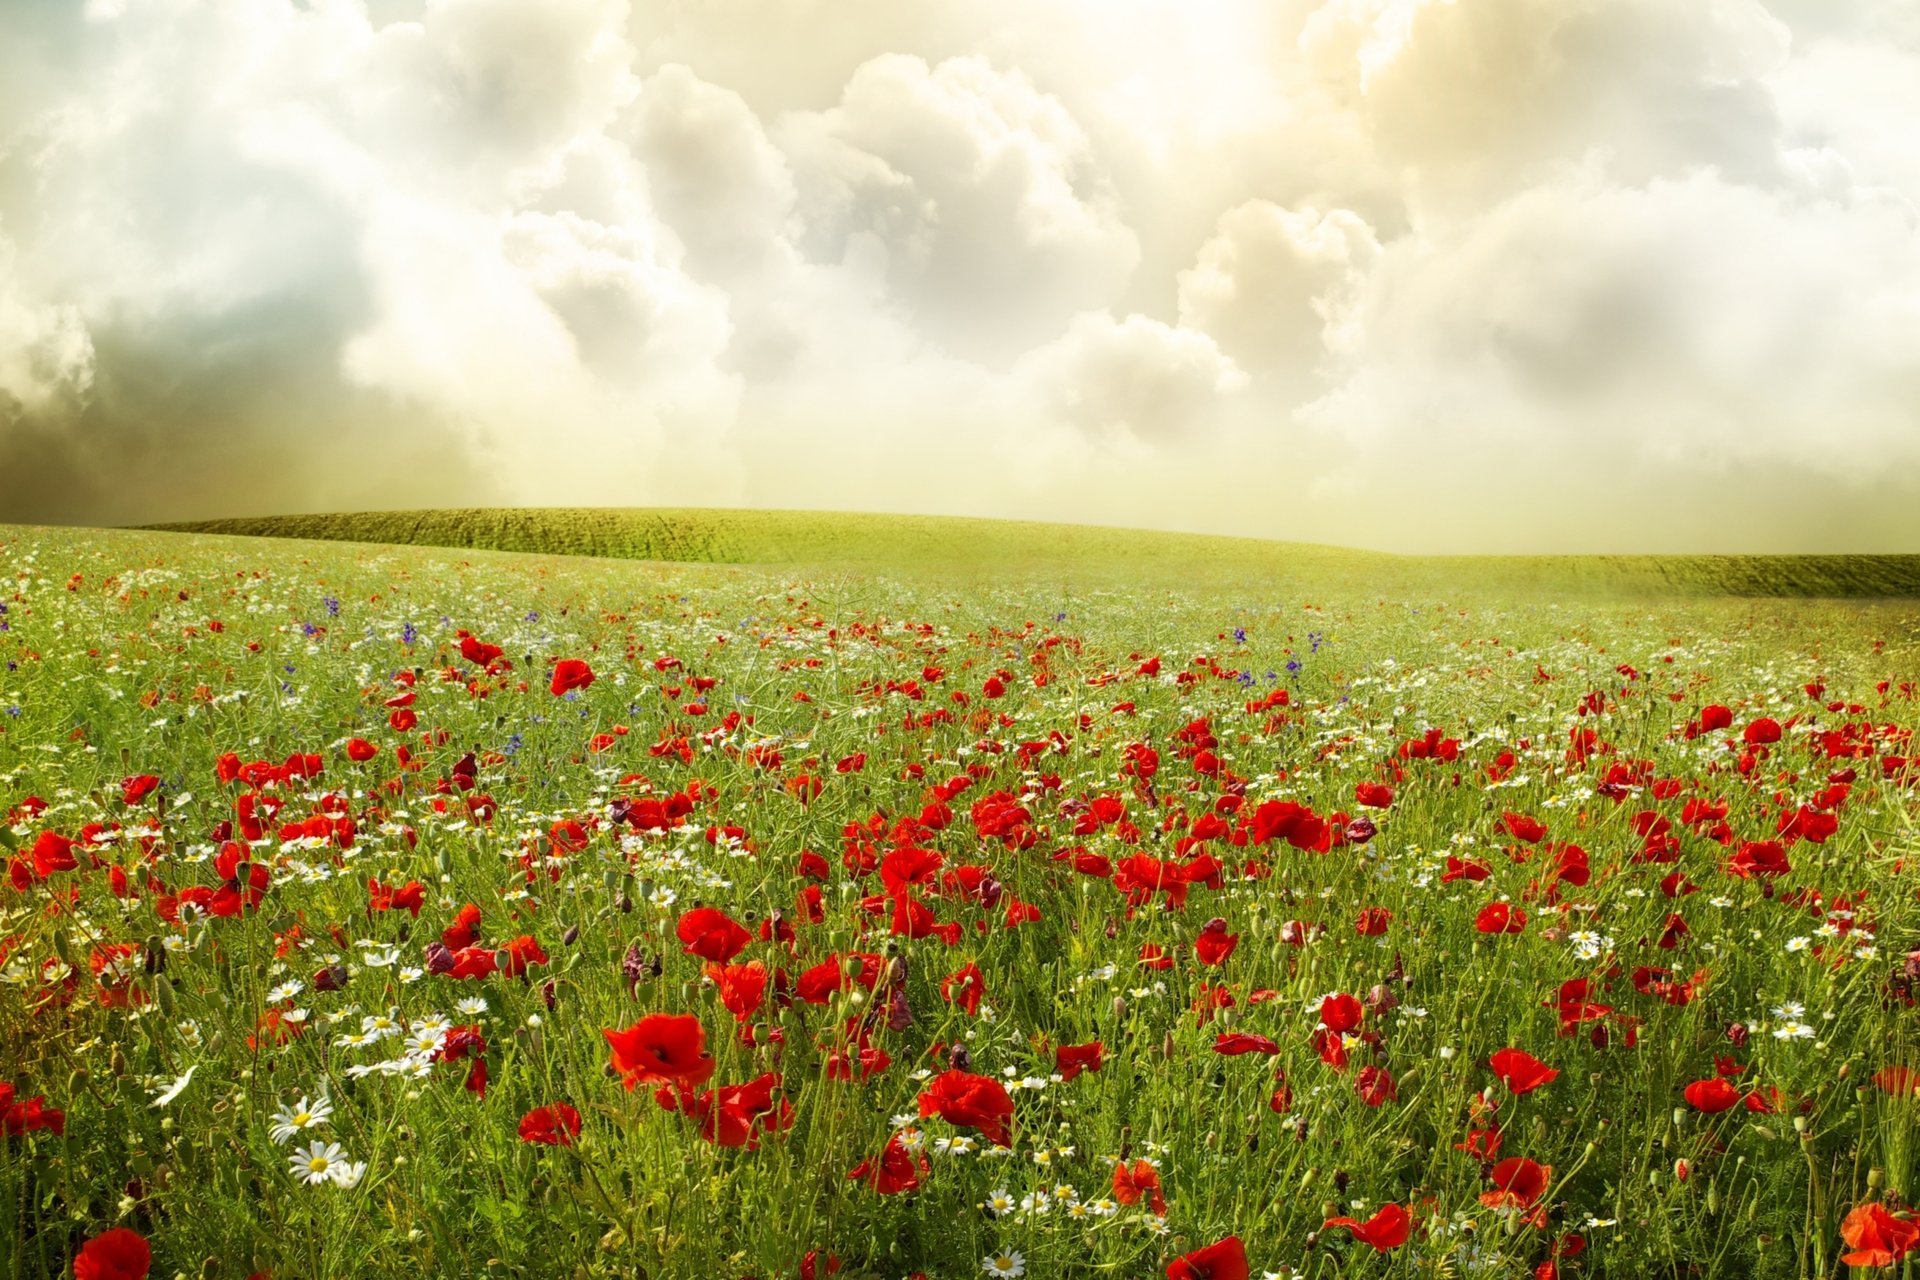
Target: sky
{"x": 1417, "y": 275}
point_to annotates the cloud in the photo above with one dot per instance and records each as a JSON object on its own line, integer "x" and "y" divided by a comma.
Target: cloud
{"x": 981, "y": 196}
{"x": 46, "y": 355}
{"x": 1271, "y": 283}
{"x": 1429, "y": 267}
{"x": 1134, "y": 375}
{"x": 1468, "y": 96}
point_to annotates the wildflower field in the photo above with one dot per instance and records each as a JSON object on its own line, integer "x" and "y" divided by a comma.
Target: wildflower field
{"x": 387, "y": 911}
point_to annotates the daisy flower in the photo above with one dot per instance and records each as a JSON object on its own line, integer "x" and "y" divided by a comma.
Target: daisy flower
{"x": 288, "y": 1121}
{"x": 1009, "y": 1263}
{"x": 320, "y": 1162}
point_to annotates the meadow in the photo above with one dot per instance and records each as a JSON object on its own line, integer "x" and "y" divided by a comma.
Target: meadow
{"x": 1202, "y": 912}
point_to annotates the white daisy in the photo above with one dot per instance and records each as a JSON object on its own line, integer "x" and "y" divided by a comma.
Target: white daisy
{"x": 288, "y": 1121}
{"x": 319, "y": 1163}
{"x": 175, "y": 1089}
{"x": 1009, "y": 1263}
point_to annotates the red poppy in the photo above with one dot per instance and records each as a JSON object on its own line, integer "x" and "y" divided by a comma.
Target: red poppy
{"x": 554, "y": 1125}
{"x": 1341, "y": 1013}
{"x": 570, "y": 673}
{"x": 1071, "y": 1059}
{"x": 114, "y": 1254}
{"x": 736, "y": 1115}
{"x": 742, "y": 987}
{"x": 1500, "y": 917}
{"x": 1519, "y": 1183}
{"x": 1878, "y": 1238}
{"x": 895, "y": 1170}
{"x": 1520, "y": 1071}
{"x": 662, "y": 1048}
{"x": 1235, "y": 1043}
{"x": 1140, "y": 1179}
{"x": 1376, "y": 1086}
{"x": 360, "y": 749}
{"x": 1226, "y": 1260}
{"x": 134, "y": 790}
{"x": 1373, "y": 795}
{"x": 1385, "y": 1230}
{"x": 1524, "y": 826}
{"x": 1214, "y": 944}
{"x": 962, "y": 1098}
{"x": 967, "y": 988}
{"x": 1762, "y": 732}
{"x": 1712, "y": 1095}
{"x": 712, "y": 934}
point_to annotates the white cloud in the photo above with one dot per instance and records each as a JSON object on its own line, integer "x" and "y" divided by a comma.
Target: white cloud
{"x": 1273, "y": 287}
{"x": 1091, "y": 258}
{"x": 1134, "y": 375}
{"x": 46, "y": 354}
{"x": 980, "y": 195}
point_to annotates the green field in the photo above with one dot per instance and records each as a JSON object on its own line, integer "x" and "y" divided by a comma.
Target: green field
{"x": 944, "y": 899}
{"x": 894, "y": 542}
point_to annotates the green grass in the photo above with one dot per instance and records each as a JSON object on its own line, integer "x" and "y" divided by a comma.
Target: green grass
{"x": 693, "y": 535}
{"x": 111, "y": 667}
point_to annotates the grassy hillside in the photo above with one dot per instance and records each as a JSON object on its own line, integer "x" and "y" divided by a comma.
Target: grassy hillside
{"x": 807, "y": 537}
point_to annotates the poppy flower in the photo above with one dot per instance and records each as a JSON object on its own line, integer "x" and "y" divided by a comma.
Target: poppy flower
{"x": 570, "y": 673}
{"x": 1139, "y": 1180}
{"x": 975, "y": 1101}
{"x": 134, "y": 790}
{"x": 736, "y": 1115}
{"x": 712, "y": 934}
{"x": 1376, "y": 1086}
{"x": 894, "y": 1171}
{"x": 661, "y": 1048}
{"x": 1520, "y": 1071}
{"x": 742, "y": 987}
{"x": 1878, "y": 1238}
{"x": 1500, "y": 917}
{"x": 1385, "y": 1230}
{"x": 554, "y": 1125}
{"x": 1519, "y": 1183}
{"x": 1524, "y": 826}
{"x": 1226, "y": 1260}
{"x": 1234, "y": 1043}
{"x": 1214, "y": 944}
{"x": 115, "y": 1254}
{"x": 1341, "y": 1013}
{"x": 1761, "y": 732}
{"x": 1071, "y": 1059}
{"x": 1713, "y": 1095}
{"x": 1373, "y": 795}
{"x": 360, "y": 750}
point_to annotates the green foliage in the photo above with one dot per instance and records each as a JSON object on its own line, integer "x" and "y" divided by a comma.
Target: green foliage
{"x": 115, "y": 669}
{"x": 693, "y": 535}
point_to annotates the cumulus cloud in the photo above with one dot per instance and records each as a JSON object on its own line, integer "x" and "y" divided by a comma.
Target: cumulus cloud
{"x": 980, "y": 195}
{"x": 1134, "y": 375}
{"x": 1428, "y": 265}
